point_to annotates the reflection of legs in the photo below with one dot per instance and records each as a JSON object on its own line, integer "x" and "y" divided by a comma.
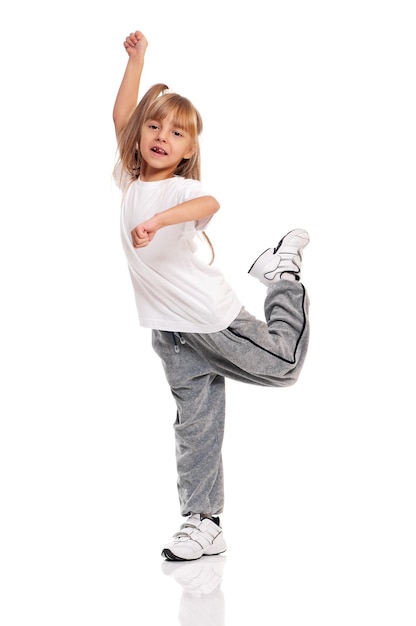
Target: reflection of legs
{"x": 199, "y": 428}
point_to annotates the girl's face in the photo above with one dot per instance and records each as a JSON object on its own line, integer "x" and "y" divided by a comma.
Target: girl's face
{"x": 163, "y": 145}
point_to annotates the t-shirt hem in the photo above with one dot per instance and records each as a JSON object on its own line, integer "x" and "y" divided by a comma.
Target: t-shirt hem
{"x": 184, "y": 326}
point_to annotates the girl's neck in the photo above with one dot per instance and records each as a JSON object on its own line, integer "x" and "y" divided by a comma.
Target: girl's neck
{"x": 151, "y": 175}
{"x": 154, "y": 179}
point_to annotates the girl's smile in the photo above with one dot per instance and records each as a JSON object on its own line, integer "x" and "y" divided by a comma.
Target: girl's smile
{"x": 158, "y": 150}
{"x": 163, "y": 145}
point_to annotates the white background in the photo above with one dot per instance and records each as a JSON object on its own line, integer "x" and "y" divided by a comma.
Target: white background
{"x": 309, "y": 113}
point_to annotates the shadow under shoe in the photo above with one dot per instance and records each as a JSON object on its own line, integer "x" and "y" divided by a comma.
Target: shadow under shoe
{"x": 200, "y": 577}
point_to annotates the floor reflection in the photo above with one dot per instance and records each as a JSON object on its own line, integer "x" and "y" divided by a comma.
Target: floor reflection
{"x": 202, "y": 601}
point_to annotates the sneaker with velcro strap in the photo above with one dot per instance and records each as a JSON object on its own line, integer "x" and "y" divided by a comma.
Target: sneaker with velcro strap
{"x": 198, "y": 536}
{"x": 282, "y": 262}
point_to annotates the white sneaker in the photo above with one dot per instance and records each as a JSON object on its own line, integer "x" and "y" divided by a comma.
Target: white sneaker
{"x": 196, "y": 537}
{"x": 285, "y": 258}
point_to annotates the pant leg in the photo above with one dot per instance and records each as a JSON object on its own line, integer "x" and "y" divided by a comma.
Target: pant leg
{"x": 270, "y": 352}
{"x": 199, "y": 427}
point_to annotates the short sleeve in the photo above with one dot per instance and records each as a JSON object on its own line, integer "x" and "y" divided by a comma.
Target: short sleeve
{"x": 193, "y": 189}
{"x": 120, "y": 176}
{"x": 203, "y": 223}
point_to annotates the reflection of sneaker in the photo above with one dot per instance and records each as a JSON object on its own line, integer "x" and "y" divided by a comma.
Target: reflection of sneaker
{"x": 199, "y": 578}
{"x": 286, "y": 258}
{"x": 196, "y": 537}
{"x": 202, "y": 602}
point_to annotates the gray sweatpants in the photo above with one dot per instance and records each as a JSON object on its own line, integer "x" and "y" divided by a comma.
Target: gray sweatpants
{"x": 269, "y": 353}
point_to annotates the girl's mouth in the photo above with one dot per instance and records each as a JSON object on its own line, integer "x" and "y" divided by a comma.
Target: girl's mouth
{"x": 158, "y": 150}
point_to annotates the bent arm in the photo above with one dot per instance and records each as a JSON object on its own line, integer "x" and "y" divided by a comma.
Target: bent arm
{"x": 189, "y": 211}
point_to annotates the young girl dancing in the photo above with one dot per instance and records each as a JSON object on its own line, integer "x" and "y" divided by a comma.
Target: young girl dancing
{"x": 200, "y": 330}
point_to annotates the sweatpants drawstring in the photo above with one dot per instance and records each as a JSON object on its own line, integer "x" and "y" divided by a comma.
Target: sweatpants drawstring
{"x": 175, "y": 337}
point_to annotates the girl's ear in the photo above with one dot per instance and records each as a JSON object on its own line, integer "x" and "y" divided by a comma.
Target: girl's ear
{"x": 190, "y": 152}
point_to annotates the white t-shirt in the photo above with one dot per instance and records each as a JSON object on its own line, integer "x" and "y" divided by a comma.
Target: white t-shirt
{"x": 175, "y": 289}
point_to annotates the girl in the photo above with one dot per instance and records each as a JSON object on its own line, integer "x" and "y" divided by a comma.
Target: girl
{"x": 199, "y": 328}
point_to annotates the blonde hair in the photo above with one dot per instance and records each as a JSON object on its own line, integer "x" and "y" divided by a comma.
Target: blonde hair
{"x": 156, "y": 105}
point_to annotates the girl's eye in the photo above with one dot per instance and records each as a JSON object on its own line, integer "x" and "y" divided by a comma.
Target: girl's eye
{"x": 153, "y": 126}
{"x": 177, "y": 133}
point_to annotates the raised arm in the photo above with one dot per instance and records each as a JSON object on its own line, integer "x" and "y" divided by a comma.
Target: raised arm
{"x": 126, "y": 100}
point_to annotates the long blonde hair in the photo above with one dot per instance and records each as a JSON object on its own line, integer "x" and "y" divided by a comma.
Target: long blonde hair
{"x": 157, "y": 104}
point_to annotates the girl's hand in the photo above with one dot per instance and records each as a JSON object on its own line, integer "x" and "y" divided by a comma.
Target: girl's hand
{"x": 143, "y": 234}
{"x": 139, "y": 237}
{"x": 135, "y": 44}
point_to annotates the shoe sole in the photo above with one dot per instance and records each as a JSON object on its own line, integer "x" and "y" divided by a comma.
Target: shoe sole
{"x": 259, "y": 257}
{"x": 297, "y": 232}
{"x": 170, "y": 556}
